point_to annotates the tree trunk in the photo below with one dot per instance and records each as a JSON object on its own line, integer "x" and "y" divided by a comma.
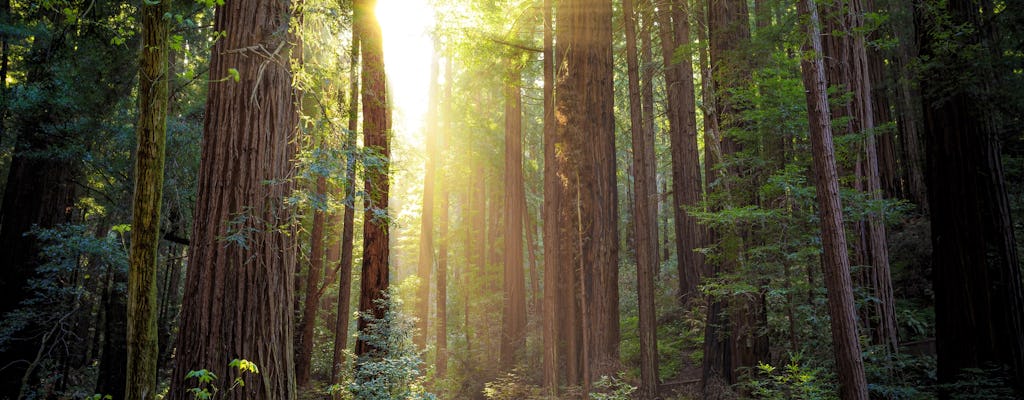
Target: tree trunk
{"x": 304, "y": 355}
{"x": 344, "y": 310}
{"x": 979, "y": 307}
{"x": 644, "y": 214}
{"x": 513, "y": 331}
{"x": 878, "y": 246}
{"x": 240, "y": 283}
{"x": 376, "y": 125}
{"x": 686, "y": 185}
{"x": 850, "y": 367}
{"x": 550, "y": 214}
{"x": 584, "y": 112}
{"x": 441, "y": 368}
{"x": 113, "y": 361}
{"x": 151, "y": 134}
{"x": 426, "y": 257}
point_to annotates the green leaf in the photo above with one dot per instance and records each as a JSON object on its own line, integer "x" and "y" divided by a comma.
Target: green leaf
{"x": 234, "y": 74}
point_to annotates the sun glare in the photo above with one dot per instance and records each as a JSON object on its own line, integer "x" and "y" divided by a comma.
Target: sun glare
{"x": 408, "y": 51}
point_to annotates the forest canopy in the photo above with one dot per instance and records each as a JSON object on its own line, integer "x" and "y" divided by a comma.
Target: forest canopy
{"x": 511, "y": 199}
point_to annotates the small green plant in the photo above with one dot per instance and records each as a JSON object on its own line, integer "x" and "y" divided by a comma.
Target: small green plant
{"x": 612, "y": 388}
{"x": 794, "y": 381}
{"x": 207, "y": 388}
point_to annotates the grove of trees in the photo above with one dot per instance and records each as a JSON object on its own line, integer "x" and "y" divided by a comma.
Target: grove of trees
{"x": 599, "y": 199}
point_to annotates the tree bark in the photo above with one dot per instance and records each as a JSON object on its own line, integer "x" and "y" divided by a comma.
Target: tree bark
{"x": 686, "y": 185}
{"x": 376, "y": 125}
{"x": 584, "y": 111}
{"x": 311, "y": 304}
{"x": 644, "y": 213}
{"x": 850, "y": 367}
{"x": 550, "y": 213}
{"x": 151, "y": 133}
{"x": 513, "y": 331}
{"x": 344, "y": 310}
{"x": 240, "y": 283}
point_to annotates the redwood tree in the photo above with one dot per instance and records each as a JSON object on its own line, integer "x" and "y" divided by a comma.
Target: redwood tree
{"x": 583, "y": 109}
{"x": 836, "y": 263}
{"x": 644, "y": 213}
{"x": 348, "y": 230}
{"x": 240, "y": 283}
{"x": 513, "y": 327}
{"x": 376, "y": 124}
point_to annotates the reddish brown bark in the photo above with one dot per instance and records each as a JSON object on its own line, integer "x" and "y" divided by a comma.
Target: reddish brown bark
{"x": 644, "y": 213}
{"x": 341, "y": 323}
{"x": 240, "y": 282}
{"x": 850, "y": 367}
{"x": 585, "y": 122}
{"x": 513, "y": 327}
{"x": 376, "y": 124}
{"x": 550, "y": 213}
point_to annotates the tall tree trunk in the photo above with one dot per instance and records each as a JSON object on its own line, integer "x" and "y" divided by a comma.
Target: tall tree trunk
{"x": 513, "y": 330}
{"x": 426, "y": 256}
{"x": 850, "y": 367}
{"x": 550, "y": 213}
{"x": 240, "y": 282}
{"x": 976, "y": 270}
{"x": 376, "y": 124}
{"x": 151, "y": 134}
{"x": 644, "y": 213}
{"x": 865, "y": 113}
{"x": 908, "y": 103}
{"x": 344, "y": 310}
{"x": 733, "y": 337}
{"x": 441, "y": 368}
{"x": 304, "y": 355}
{"x": 112, "y": 368}
{"x": 584, "y": 112}
{"x": 674, "y": 25}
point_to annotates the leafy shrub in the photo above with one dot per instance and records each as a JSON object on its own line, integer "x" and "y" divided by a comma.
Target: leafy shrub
{"x": 794, "y": 381}
{"x": 390, "y": 370}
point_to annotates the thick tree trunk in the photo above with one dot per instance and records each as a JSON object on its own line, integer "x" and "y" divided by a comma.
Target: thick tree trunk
{"x": 240, "y": 283}
{"x": 584, "y": 112}
{"x": 376, "y": 126}
{"x": 513, "y": 327}
{"x": 850, "y": 367}
{"x": 644, "y": 213}
{"x": 151, "y": 134}
{"x": 979, "y": 306}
